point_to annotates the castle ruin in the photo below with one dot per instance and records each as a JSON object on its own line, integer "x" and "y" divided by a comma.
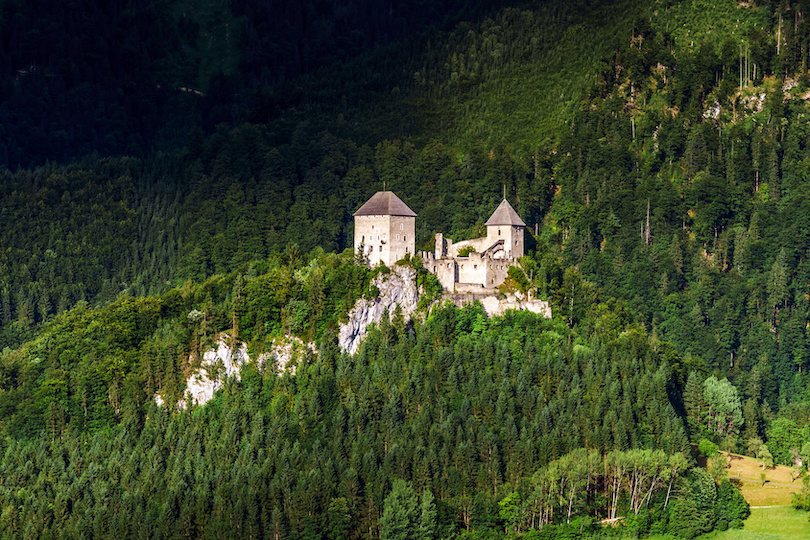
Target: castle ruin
{"x": 384, "y": 231}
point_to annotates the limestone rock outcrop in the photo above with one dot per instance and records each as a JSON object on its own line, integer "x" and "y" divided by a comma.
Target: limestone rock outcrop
{"x": 397, "y": 288}
{"x": 222, "y": 361}
{"x": 217, "y": 364}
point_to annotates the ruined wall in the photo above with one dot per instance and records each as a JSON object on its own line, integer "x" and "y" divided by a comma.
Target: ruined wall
{"x": 496, "y": 305}
{"x": 477, "y": 244}
{"x": 472, "y": 269}
{"x": 471, "y": 273}
{"x": 497, "y": 270}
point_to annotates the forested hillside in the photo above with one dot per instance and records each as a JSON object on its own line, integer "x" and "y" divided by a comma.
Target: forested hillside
{"x": 208, "y": 161}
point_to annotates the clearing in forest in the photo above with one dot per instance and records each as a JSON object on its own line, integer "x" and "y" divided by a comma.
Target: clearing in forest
{"x": 778, "y": 523}
{"x": 777, "y": 490}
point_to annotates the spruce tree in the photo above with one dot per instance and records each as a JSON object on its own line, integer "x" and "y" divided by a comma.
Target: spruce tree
{"x": 400, "y": 519}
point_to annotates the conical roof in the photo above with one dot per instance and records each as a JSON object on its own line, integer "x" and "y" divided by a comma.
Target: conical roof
{"x": 385, "y": 203}
{"x": 505, "y": 215}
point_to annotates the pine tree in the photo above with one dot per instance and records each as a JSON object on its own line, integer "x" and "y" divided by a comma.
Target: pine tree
{"x": 693, "y": 402}
{"x": 401, "y": 516}
{"x": 428, "y": 517}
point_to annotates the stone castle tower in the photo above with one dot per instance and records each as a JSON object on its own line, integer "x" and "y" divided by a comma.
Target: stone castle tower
{"x": 506, "y": 225}
{"x": 384, "y": 229}
{"x": 487, "y": 260}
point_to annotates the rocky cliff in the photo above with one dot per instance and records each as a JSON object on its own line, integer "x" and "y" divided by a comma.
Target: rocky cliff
{"x": 397, "y": 288}
{"x": 222, "y": 361}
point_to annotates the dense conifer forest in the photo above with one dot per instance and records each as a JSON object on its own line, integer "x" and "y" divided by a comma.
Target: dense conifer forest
{"x": 172, "y": 173}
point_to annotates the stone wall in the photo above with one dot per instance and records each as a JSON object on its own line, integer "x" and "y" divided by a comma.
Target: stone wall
{"x": 385, "y": 239}
{"x": 495, "y": 304}
{"x": 473, "y": 272}
{"x": 472, "y": 269}
{"x": 512, "y": 238}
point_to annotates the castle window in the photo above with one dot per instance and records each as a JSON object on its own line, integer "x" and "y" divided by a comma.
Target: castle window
{"x": 499, "y": 232}
{"x": 362, "y": 238}
{"x": 404, "y": 238}
{"x": 397, "y": 237}
{"x": 401, "y": 226}
{"x": 406, "y": 249}
{"x": 515, "y": 242}
{"x": 372, "y": 227}
{"x": 380, "y": 248}
{"x": 475, "y": 267}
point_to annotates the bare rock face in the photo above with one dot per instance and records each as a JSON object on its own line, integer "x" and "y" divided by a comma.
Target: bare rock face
{"x": 285, "y": 354}
{"x": 216, "y": 365}
{"x": 397, "y": 288}
{"x": 222, "y": 362}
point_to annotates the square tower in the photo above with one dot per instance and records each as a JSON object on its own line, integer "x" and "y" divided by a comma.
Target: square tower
{"x": 506, "y": 225}
{"x": 384, "y": 229}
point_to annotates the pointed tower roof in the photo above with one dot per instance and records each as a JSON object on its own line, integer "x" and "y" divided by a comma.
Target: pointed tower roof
{"x": 505, "y": 215}
{"x": 385, "y": 203}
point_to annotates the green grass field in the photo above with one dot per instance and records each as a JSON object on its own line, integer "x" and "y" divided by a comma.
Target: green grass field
{"x": 779, "y": 523}
{"x": 782, "y": 522}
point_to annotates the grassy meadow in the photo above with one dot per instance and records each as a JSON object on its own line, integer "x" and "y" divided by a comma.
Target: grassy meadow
{"x": 781, "y": 522}
{"x": 777, "y": 490}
